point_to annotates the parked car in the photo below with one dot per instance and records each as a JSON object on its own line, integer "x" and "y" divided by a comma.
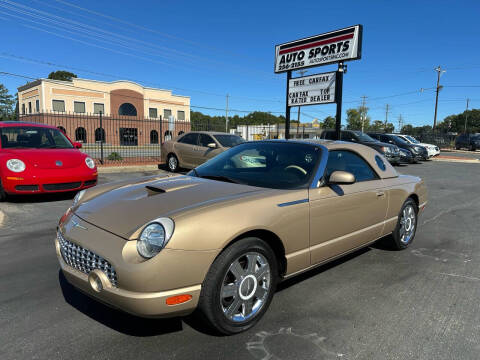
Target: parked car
{"x": 36, "y": 158}
{"x": 418, "y": 152}
{"x": 405, "y": 157}
{"x": 391, "y": 152}
{"x": 432, "y": 150}
{"x": 194, "y": 148}
{"x": 220, "y": 238}
{"x": 468, "y": 141}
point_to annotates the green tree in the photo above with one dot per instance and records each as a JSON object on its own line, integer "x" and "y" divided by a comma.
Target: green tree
{"x": 62, "y": 75}
{"x": 354, "y": 119}
{"x": 389, "y": 127}
{"x": 7, "y": 104}
{"x": 407, "y": 129}
{"x": 456, "y": 123}
{"x": 329, "y": 122}
{"x": 377, "y": 126}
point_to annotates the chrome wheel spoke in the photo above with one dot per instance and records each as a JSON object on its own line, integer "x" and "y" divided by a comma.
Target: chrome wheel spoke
{"x": 252, "y": 262}
{"x": 260, "y": 292}
{"x": 233, "y": 307}
{"x": 229, "y": 290}
{"x": 237, "y": 269}
{"x": 247, "y": 307}
{"x": 261, "y": 272}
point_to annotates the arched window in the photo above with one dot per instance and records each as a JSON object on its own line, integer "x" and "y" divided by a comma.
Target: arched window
{"x": 62, "y": 129}
{"x": 99, "y": 135}
{"x": 127, "y": 109}
{"x": 168, "y": 135}
{"x": 154, "y": 137}
{"x": 81, "y": 134}
{"x": 181, "y": 132}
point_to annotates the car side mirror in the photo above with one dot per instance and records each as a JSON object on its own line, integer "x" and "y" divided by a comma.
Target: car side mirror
{"x": 212, "y": 146}
{"x": 77, "y": 145}
{"x": 341, "y": 177}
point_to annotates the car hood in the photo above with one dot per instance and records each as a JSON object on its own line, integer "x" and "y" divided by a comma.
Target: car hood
{"x": 47, "y": 158}
{"x": 124, "y": 209}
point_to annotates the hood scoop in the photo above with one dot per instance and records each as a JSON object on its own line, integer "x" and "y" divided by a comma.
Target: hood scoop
{"x": 154, "y": 190}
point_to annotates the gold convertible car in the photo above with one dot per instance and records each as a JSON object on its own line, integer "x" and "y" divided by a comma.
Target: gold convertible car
{"x": 219, "y": 239}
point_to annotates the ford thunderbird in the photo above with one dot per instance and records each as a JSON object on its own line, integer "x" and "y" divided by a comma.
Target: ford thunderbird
{"x": 218, "y": 240}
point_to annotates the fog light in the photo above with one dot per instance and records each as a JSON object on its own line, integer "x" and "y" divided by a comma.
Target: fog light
{"x": 98, "y": 280}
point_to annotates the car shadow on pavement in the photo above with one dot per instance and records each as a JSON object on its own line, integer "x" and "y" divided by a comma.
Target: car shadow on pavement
{"x": 117, "y": 320}
{"x": 39, "y": 198}
{"x": 320, "y": 269}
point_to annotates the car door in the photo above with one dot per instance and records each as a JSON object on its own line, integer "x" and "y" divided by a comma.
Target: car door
{"x": 344, "y": 217}
{"x": 185, "y": 149}
{"x": 202, "y": 151}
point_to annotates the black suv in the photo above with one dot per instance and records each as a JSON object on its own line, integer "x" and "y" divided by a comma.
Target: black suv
{"x": 391, "y": 152}
{"x": 418, "y": 152}
{"x": 469, "y": 141}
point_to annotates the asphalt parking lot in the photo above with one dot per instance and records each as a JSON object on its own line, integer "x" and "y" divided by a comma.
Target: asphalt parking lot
{"x": 421, "y": 303}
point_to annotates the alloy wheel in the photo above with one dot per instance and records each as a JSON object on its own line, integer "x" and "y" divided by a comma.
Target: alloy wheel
{"x": 408, "y": 221}
{"x": 245, "y": 287}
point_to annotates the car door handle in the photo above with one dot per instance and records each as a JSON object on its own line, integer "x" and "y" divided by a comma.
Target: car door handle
{"x": 380, "y": 193}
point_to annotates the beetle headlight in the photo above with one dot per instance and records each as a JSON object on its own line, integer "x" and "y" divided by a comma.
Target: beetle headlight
{"x": 78, "y": 197}
{"x": 16, "y": 165}
{"x": 154, "y": 237}
{"x": 90, "y": 163}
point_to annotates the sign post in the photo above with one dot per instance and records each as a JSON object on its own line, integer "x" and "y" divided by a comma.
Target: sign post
{"x": 333, "y": 47}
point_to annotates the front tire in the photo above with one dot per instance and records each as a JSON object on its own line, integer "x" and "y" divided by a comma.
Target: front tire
{"x": 3, "y": 194}
{"x": 239, "y": 286}
{"x": 172, "y": 163}
{"x": 406, "y": 228}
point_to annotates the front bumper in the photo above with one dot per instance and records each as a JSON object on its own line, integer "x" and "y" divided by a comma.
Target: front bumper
{"x": 47, "y": 181}
{"x": 143, "y": 286}
{"x": 393, "y": 159}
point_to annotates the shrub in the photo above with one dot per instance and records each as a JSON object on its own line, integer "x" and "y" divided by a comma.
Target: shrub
{"x": 115, "y": 156}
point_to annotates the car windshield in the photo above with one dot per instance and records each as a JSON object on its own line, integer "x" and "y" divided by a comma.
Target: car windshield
{"x": 398, "y": 140}
{"x": 277, "y": 165}
{"x": 33, "y": 137}
{"x": 412, "y": 139}
{"x": 364, "y": 137}
{"x": 229, "y": 140}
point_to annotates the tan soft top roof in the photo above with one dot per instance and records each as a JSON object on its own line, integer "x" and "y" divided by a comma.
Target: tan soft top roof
{"x": 365, "y": 151}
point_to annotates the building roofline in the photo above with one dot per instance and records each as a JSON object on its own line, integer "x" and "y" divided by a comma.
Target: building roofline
{"x": 38, "y": 82}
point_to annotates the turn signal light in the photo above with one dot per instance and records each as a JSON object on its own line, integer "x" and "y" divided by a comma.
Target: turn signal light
{"x": 14, "y": 178}
{"x": 178, "y": 299}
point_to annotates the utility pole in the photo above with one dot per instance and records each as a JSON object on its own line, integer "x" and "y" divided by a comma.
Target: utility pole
{"x": 400, "y": 123}
{"x": 226, "y": 116}
{"x": 387, "y": 109}
{"x": 466, "y": 116}
{"x": 439, "y": 71}
{"x": 363, "y": 112}
{"x": 301, "y": 72}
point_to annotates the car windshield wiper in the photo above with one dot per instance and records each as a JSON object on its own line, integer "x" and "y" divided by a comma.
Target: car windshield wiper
{"x": 219, "y": 178}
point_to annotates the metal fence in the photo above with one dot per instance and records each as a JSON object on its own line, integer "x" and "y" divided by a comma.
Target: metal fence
{"x": 126, "y": 139}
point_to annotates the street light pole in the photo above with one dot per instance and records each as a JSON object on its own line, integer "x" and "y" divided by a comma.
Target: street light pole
{"x": 466, "y": 116}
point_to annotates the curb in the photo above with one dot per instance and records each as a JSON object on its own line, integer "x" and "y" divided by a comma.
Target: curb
{"x": 458, "y": 160}
{"x": 122, "y": 169}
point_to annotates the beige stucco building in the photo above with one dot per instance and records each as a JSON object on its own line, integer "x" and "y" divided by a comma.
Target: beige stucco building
{"x": 130, "y": 112}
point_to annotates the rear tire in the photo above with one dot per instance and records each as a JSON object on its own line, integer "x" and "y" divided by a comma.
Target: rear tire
{"x": 406, "y": 228}
{"x": 172, "y": 163}
{"x": 239, "y": 286}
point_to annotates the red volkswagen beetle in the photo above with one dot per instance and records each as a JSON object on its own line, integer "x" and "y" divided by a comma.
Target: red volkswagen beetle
{"x": 36, "y": 158}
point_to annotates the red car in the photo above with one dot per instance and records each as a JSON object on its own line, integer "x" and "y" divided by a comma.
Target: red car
{"x": 36, "y": 158}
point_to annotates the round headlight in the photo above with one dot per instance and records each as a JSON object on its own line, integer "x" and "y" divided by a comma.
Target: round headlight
{"x": 15, "y": 165}
{"x": 78, "y": 197}
{"x": 152, "y": 240}
{"x": 90, "y": 163}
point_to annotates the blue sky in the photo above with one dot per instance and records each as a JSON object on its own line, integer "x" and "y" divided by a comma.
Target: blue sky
{"x": 206, "y": 49}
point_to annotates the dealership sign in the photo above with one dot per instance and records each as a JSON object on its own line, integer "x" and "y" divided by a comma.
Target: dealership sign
{"x": 332, "y": 47}
{"x": 312, "y": 90}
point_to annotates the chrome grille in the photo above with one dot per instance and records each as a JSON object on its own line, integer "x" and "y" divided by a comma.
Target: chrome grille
{"x": 85, "y": 260}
